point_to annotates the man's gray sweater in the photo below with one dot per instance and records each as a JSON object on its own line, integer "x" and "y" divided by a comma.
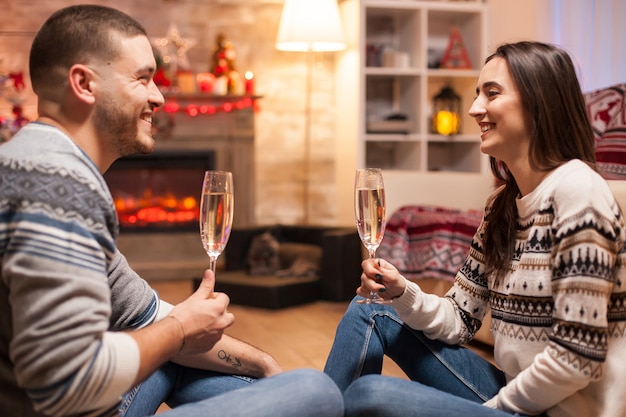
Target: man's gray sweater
{"x": 65, "y": 291}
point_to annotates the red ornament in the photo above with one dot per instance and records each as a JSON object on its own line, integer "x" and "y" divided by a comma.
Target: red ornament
{"x": 18, "y": 80}
{"x": 205, "y": 81}
{"x": 456, "y": 54}
{"x": 160, "y": 78}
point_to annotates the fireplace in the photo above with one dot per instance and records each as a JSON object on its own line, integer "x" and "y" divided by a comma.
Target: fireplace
{"x": 160, "y": 191}
{"x": 157, "y": 198}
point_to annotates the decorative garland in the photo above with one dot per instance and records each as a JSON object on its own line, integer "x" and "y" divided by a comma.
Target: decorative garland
{"x": 163, "y": 121}
{"x": 194, "y": 109}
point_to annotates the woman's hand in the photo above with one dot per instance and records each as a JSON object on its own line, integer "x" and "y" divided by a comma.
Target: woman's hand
{"x": 382, "y": 277}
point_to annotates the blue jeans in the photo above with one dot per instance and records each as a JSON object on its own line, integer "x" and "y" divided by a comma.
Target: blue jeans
{"x": 445, "y": 380}
{"x": 191, "y": 392}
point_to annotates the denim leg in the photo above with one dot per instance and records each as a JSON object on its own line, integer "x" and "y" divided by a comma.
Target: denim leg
{"x": 196, "y": 385}
{"x": 368, "y": 332}
{"x": 145, "y": 398}
{"x": 174, "y": 384}
{"x": 357, "y": 349}
{"x": 382, "y": 396}
{"x": 301, "y": 393}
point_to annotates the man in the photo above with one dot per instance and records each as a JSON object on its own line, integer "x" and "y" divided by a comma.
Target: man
{"x": 81, "y": 333}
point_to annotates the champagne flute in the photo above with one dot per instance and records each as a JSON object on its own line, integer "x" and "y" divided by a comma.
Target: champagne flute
{"x": 369, "y": 209}
{"x": 216, "y": 213}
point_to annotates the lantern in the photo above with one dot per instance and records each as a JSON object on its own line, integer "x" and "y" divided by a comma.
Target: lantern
{"x": 447, "y": 112}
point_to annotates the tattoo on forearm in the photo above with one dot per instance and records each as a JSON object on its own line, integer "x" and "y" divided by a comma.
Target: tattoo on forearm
{"x": 234, "y": 362}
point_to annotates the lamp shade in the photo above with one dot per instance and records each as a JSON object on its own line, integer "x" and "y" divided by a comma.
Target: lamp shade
{"x": 310, "y": 25}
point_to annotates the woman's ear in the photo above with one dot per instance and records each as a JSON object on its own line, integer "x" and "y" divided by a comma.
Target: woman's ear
{"x": 81, "y": 80}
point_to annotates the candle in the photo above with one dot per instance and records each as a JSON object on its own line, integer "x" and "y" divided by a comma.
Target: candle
{"x": 220, "y": 87}
{"x": 249, "y": 76}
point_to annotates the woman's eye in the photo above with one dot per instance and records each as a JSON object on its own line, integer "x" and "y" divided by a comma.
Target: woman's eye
{"x": 492, "y": 93}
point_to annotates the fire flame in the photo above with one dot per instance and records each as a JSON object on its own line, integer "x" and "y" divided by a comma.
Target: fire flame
{"x": 149, "y": 210}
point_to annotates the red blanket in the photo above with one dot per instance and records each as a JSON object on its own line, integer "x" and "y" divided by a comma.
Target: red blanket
{"x": 429, "y": 242}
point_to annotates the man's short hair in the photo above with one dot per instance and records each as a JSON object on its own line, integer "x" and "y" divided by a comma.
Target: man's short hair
{"x": 73, "y": 35}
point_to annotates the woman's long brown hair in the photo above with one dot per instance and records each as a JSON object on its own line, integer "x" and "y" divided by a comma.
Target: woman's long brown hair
{"x": 559, "y": 132}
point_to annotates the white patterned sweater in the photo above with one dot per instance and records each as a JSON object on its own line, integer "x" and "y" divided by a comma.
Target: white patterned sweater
{"x": 559, "y": 315}
{"x": 65, "y": 290}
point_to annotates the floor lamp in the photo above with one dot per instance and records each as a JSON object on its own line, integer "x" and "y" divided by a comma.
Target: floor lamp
{"x": 309, "y": 26}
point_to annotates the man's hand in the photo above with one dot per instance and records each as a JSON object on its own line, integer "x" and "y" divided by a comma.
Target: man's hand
{"x": 203, "y": 316}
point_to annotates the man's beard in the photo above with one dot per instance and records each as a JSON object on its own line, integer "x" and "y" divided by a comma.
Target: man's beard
{"x": 113, "y": 121}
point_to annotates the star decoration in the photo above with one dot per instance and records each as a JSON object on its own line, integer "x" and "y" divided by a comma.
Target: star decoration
{"x": 173, "y": 48}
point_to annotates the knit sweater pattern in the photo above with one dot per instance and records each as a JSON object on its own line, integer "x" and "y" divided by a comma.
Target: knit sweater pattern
{"x": 559, "y": 313}
{"x": 65, "y": 291}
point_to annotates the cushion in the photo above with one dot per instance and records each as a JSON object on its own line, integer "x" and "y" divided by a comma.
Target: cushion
{"x": 608, "y": 118}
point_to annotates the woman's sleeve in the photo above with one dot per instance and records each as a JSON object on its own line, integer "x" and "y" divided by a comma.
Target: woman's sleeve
{"x": 457, "y": 316}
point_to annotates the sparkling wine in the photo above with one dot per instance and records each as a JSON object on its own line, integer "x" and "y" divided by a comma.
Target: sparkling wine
{"x": 216, "y": 218}
{"x": 370, "y": 216}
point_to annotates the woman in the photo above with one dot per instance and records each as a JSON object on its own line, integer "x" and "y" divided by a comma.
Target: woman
{"x": 548, "y": 260}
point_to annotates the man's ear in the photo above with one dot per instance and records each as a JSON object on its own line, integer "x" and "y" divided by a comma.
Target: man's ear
{"x": 82, "y": 79}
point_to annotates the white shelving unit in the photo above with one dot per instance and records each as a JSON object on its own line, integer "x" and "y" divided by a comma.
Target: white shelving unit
{"x": 400, "y": 43}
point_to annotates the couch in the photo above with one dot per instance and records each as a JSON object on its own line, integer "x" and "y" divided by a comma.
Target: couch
{"x": 336, "y": 280}
{"x": 443, "y": 209}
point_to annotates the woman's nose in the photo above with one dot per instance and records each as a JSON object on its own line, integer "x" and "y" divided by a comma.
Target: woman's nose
{"x": 477, "y": 108}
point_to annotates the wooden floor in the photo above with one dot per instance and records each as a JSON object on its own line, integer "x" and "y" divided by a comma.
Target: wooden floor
{"x": 298, "y": 337}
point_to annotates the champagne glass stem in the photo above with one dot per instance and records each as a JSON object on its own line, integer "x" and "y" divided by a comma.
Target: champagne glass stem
{"x": 373, "y": 295}
{"x": 213, "y": 263}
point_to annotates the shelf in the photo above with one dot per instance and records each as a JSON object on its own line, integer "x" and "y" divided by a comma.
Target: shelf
{"x": 452, "y": 73}
{"x": 393, "y": 71}
{"x": 454, "y": 138}
{"x": 402, "y": 44}
{"x": 392, "y": 137}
